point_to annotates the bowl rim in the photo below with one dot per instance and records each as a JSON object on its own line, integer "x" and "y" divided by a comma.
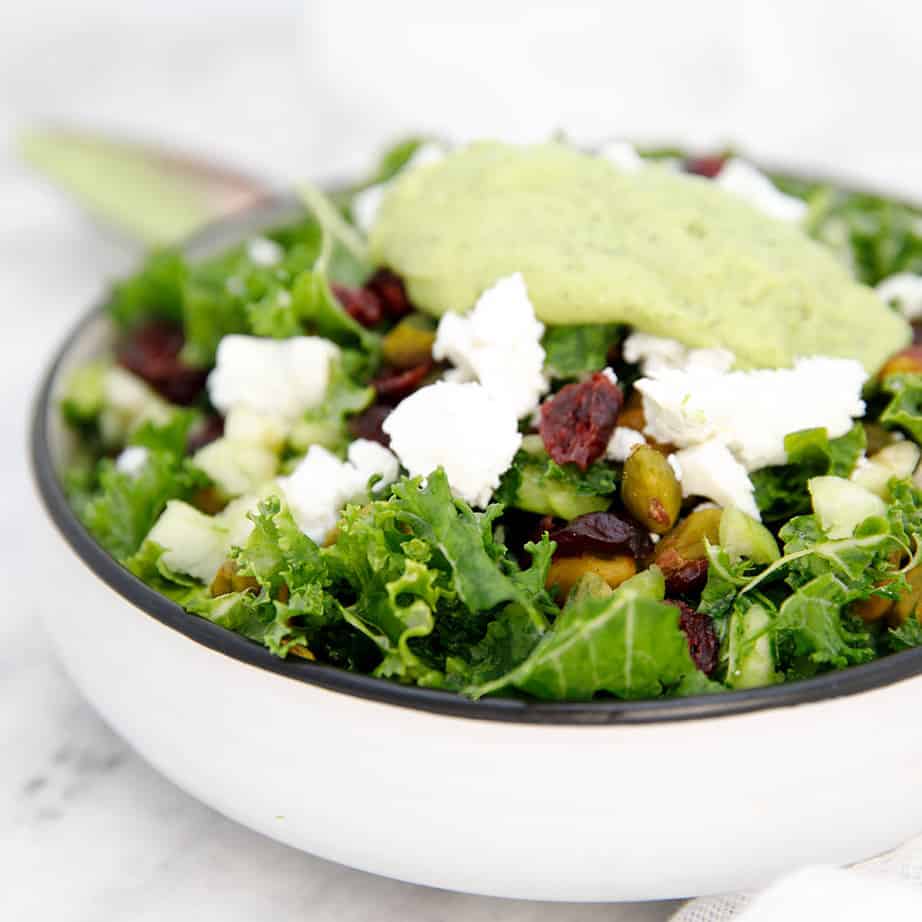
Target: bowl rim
{"x": 850, "y": 681}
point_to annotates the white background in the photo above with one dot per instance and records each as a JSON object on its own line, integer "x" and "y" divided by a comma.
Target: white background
{"x": 87, "y": 830}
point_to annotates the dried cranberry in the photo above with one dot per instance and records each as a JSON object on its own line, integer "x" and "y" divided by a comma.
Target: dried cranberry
{"x": 390, "y": 290}
{"x": 683, "y": 577}
{"x": 601, "y": 533}
{"x": 152, "y": 352}
{"x": 702, "y": 638}
{"x": 360, "y": 304}
{"x": 578, "y": 421}
{"x": 368, "y": 425}
{"x": 708, "y": 166}
{"x": 206, "y": 432}
{"x": 393, "y": 384}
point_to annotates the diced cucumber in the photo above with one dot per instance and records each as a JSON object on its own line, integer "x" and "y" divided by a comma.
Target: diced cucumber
{"x": 234, "y": 517}
{"x": 741, "y": 535}
{"x": 192, "y": 542}
{"x": 83, "y": 397}
{"x": 307, "y": 432}
{"x": 255, "y": 428}
{"x": 589, "y": 586}
{"x": 841, "y": 505}
{"x": 750, "y": 657}
{"x": 539, "y": 495}
{"x": 127, "y": 403}
{"x": 900, "y": 459}
{"x": 237, "y": 467}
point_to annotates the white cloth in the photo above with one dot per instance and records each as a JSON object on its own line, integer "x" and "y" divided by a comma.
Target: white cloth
{"x": 886, "y": 888}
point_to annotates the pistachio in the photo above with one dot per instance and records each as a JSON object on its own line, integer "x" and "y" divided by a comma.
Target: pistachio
{"x": 906, "y": 361}
{"x": 227, "y": 579}
{"x": 682, "y": 554}
{"x": 910, "y": 601}
{"x": 566, "y": 572}
{"x": 410, "y": 343}
{"x": 650, "y": 490}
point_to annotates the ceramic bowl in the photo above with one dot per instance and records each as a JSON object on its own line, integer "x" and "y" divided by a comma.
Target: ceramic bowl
{"x": 608, "y": 800}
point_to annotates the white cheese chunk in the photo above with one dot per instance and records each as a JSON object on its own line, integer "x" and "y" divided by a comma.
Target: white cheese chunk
{"x": 366, "y": 203}
{"x": 322, "y": 484}
{"x": 676, "y": 466}
{"x": 746, "y": 182}
{"x": 275, "y": 376}
{"x": 655, "y": 353}
{"x": 622, "y": 155}
{"x": 498, "y": 344}
{"x": 905, "y": 291}
{"x": 264, "y": 252}
{"x": 711, "y": 471}
{"x": 460, "y": 428}
{"x": 752, "y": 411}
{"x": 131, "y": 460}
{"x": 370, "y": 458}
{"x": 622, "y": 442}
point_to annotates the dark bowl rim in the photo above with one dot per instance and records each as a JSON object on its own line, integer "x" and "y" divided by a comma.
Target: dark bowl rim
{"x": 853, "y": 680}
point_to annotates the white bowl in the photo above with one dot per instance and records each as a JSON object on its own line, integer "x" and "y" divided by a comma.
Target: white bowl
{"x": 602, "y": 801}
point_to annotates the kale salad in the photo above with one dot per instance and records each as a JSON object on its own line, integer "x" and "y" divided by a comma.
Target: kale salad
{"x": 532, "y": 421}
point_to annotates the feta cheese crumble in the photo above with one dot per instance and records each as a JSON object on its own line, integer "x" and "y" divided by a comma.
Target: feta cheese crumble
{"x": 276, "y": 376}
{"x": 322, "y": 484}
{"x": 498, "y": 344}
{"x": 752, "y": 411}
{"x": 710, "y": 470}
{"x": 905, "y": 291}
{"x": 264, "y": 252}
{"x": 746, "y": 182}
{"x": 131, "y": 460}
{"x": 622, "y": 442}
{"x": 654, "y": 353}
{"x": 366, "y": 203}
{"x": 460, "y": 428}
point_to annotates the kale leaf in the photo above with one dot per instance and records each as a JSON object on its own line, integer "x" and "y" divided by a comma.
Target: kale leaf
{"x": 905, "y": 407}
{"x": 628, "y": 644}
{"x": 122, "y": 508}
{"x": 781, "y": 491}
{"x": 573, "y": 351}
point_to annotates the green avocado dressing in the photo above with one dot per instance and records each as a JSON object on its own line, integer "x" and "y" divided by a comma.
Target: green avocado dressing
{"x": 667, "y": 253}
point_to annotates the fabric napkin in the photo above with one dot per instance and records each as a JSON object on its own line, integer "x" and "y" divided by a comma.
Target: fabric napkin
{"x": 884, "y": 889}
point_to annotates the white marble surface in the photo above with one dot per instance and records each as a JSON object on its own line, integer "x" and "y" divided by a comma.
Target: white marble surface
{"x": 88, "y": 831}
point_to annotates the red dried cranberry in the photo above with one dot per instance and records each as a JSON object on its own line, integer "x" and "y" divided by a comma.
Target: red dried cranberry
{"x": 206, "y": 432}
{"x": 602, "y": 533}
{"x": 702, "y": 638}
{"x": 389, "y": 288}
{"x": 393, "y": 384}
{"x": 708, "y": 166}
{"x": 683, "y": 577}
{"x": 578, "y": 421}
{"x": 368, "y": 424}
{"x": 152, "y": 352}
{"x": 360, "y": 304}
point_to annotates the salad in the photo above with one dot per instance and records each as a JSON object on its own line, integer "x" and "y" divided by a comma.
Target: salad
{"x": 529, "y": 421}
